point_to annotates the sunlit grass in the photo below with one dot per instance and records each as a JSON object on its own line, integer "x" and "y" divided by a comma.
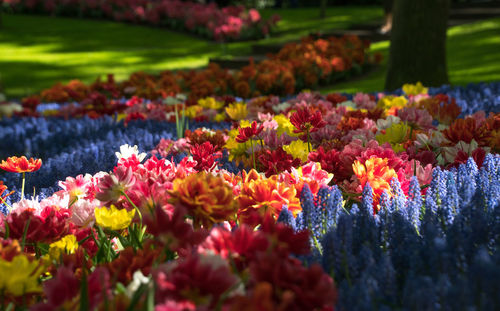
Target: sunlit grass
{"x": 473, "y": 55}
{"x": 38, "y": 51}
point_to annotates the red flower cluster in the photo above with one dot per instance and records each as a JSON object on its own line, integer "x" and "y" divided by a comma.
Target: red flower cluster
{"x": 305, "y": 121}
{"x": 169, "y": 227}
{"x": 63, "y": 290}
{"x": 205, "y": 156}
{"x": 276, "y": 280}
{"x": 48, "y": 226}
{"x": 246, "y": 133}
{"x": 276, "y": 161}
{"x": 130, "y": 261}
{"x": 201, "y": 279}
{"x": 442, "y": 108}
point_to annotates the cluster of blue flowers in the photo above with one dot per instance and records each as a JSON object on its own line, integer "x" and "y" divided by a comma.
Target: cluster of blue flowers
{"x": 441, "y": 251}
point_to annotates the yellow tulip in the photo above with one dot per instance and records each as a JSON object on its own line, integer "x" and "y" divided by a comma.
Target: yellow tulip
{"x": 237, "y": 111}
{"x": 220, "y": 117}
{"x": 210, "y": 103}
{"x": 113, "y": 218}
{"x": 284, "y": 125}
{"x": 415, "y": 89}
{"x": 388, "y": 102}
{"x": 20, "y": 276}
{"x": 236, "y": 150}
{"x": 193, "y": 111}
{"x": 68, "y": 244}
{"x": 297, "y": 149}
{"x": 243, "y": 124}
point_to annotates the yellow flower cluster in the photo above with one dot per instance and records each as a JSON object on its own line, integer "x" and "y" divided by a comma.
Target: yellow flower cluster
{"x": 297, "y": 149}
{"x": 193, "y": 111}
{"x": 20, "y": 276}
{"x": 68, "y": 244}
{"x": 210, "y": 103}
{"x": 388, "y": 102}
{"x": 284, "y": 125}
{"x": 237, "y": 111}
{"x": 113, "y": 218}
{"x": 415, "y": 89}
{"x": 237, "y": 151}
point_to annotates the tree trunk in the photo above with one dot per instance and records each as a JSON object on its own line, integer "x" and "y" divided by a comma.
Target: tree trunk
{"x": 418, "y": 43}
{"x": 322, "y": 9}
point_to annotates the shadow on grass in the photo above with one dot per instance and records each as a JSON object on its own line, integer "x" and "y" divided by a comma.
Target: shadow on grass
{"x": 33, "y": 74}
{"x": 37, "y": 51}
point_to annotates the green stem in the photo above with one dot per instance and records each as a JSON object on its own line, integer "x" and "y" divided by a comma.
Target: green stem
{"x": 253, "y": 155}
{"x": 22, "y": 186}
{"x": 73, "y": 202}
{"x": 25, "y": 233}
{"x": 177, "y": 122}
{"x": 140, "y": 230}
{"x": 308, "y": 141}
{"x": 133, "y": 205}
{"x": 316, "y": 243}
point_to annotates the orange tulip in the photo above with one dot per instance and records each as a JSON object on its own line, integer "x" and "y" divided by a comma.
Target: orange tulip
{"x": 260, "y": 196}
{"x": 20, "y": 165}
{"x": 208, "y": 198}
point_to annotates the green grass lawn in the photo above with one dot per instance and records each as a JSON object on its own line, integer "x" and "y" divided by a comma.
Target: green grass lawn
{"x": 38, "y": 51}
{"x": 297, "y": 23}
{"x": 473, "y": 55}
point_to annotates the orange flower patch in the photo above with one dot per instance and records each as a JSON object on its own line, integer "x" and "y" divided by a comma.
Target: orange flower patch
{"x": 208, "y": 199}
{"x": 260, "y": 196}
{"x": 21, "y": 165}
{"x": 467, "y": 130}
{"x": 377, "y": 173}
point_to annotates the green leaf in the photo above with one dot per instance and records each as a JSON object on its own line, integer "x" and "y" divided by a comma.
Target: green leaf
{"x": 84, "y": 294}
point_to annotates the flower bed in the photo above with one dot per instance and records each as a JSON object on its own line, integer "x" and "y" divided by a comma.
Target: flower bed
{"x": 230, "y": 23}
{"x": 374, "y": 201}
{"x": 297, "y": 66}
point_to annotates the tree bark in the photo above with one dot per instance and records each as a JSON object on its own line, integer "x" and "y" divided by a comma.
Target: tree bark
{"x": 322, "y": 9}
{"x": 418, "y": 43}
